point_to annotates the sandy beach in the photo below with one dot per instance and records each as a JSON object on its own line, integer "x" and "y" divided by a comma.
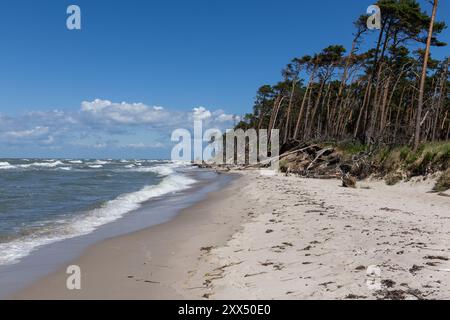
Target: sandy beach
{"x": 278, "y": 238}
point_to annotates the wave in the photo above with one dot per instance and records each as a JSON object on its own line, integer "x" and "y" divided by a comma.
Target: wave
{"x": 75, "y": 161}
{"x": 161, "y": 161}
{"x": 48, "y": 164}
{"x": 162, "y": 170}
{"x": 162, "y": 166}
{"x": 6, "y": 166}
{"x": 96, "y": 166}
{"x": 86, "y": 223}
{"x": 118, "y": 207}
{"x": 99, "y": 162}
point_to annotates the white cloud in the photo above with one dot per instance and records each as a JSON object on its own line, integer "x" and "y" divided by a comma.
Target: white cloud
{"x": 123, "y": 113}
{"x": 221, "y": 116}
{"x": 201, "y": 113}
{"x": 32, "y": 133}
{"x": 95, "y": 106}
{"x": 128, "y": 125}
{"x": 105, "y": 111}
{"x": 226, "y": 117}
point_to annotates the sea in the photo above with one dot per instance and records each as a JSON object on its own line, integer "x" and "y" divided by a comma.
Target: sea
{"x": 43, "y": 201}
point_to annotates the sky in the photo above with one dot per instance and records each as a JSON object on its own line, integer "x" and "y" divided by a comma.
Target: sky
{"x": 138, "y": 69}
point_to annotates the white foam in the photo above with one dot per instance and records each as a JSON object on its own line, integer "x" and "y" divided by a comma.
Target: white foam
{"x": 100, "y": 162}
{"x": 118, "y": 207}
{"x": 49, "y": 164}
{"x": 45, "y": 164}
{"x": 76, "y": 161}
{"x": 162, "y": 161}
{"x": 96, "y": 166}
{"x": 6, "y": 166}
{"x": 112, "y": 210}
{"x": 162, "y": 170}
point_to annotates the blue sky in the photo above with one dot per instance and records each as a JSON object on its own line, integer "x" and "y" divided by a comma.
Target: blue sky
{"x": 133, "y": 55}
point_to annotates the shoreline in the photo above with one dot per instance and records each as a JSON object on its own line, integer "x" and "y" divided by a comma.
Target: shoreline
{"x": 139, "y": 265}
{"x": 49, "y": 258}
{"x": 277, "y": 237}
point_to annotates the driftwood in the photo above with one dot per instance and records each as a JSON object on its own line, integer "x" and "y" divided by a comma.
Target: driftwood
{"x": 266, "y": 161}
{"x": 324, "y": 163}
{"x": 319, "y": 154}
{"x": 311, "y": 161}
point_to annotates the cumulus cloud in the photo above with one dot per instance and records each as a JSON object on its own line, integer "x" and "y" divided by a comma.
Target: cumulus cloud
{"x": 123, "y": 113}
{"x": 133, "y": 125}
{"x": 130, "y": 114}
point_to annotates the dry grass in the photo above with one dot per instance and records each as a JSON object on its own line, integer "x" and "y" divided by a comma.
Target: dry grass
{"x": 430, "y": 158}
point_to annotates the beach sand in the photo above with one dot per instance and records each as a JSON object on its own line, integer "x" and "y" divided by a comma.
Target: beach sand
{"x": 278, "y": 238}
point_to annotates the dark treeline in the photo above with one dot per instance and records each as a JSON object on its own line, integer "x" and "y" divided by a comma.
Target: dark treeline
{"x": 382, "y": 96}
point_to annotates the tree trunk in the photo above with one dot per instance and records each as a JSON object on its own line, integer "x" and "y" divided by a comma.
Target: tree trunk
{"x": 384, "y": 104}
{"x": 361, "y": 111}
{"x": 316, "y": 106}
{"x": 288, "y": 120}
{"x": 308, "y": 88}
{"x": 423, "y": 78}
